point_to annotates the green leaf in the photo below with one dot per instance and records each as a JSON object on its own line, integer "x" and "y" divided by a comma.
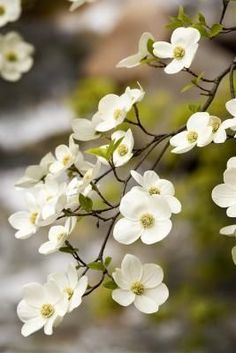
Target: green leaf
{"x": 201, "y": 18}
{"x": 150, "y": 45}
{"x": 67, "y": 250}
{"x": 187, "y": 87}
{"x": 96, "y": 266}
{"x": 110, "y": 284}
{"x": 107, "y": 261}
{"x": 215, "y": 29}
{"x": 98, "y": 151}
{"x": 85, "y": 202}
{"x": 196, "y": 80}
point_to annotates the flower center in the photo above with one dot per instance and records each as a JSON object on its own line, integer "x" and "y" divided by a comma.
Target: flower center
{"x": 11, "y": 56}
{"x": 2, "y": 10}
{"x": 179, "y": 53}
{"x": 118, "y": 114}
{"x": 61, "y": 236}
{"x": 154, "y": 190}
{"x": 47, "y": 310}
{"x": 137, "y": 288}
{"x": 122, "y": 150}
{"x": 66, "y": 160}
{"x": 147, "y": 221}
{"x": 33, "y": 217}
{"x": 192, "y": 136}
{"x": 69, "y": 292}
{"x": 215, "y": 123}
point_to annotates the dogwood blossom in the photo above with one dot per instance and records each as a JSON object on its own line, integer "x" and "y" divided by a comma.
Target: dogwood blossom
{"x": 231, "y": 123}
{"x": 78, "y": 3}
{"x": 15, "y": 56}
{"x": 151, "y": 184}
{"x": 198, "y": 133}
{"x": 91, "y": 174}
{"x": 36, "y": 173}
{"x": 224, "y": 195}
{"x": 72, "y": 285}
{"x": 27, "y": 222}
{"x": 146, "y": 217}
{"x": 139, "y": 284}
{"x": 85, "y": 129}
{"x": 43, "y": 306}
{"x": 112, "y": 109}
{"x": 10, "y": 11}
{"x": 182, "y": 49}
{"x": 76, "y": 187}
{"x": 57, "y": 236}
{"x": 231, "y": 232}
{"x": 144, "y": 52}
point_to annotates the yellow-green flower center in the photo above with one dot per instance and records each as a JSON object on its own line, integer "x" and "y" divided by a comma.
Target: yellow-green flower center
{"x": 214, "y": 123}
{"x": 33, "y": 217}
{"x": 192, "y": 136}
{"x": 66, "y": 160}
{"x": 122, "y": 150}
{"x": 147, "y": 221}
{"x": 11, "y": 56}
{"x": 69, "y": 292}
{"x": 153, "y": 190}
{"x": 118, "y": 113}
{"x": 137, "y": 288}
{"x": 2, "y": 10}
{"x": 47, "y": 310}
{"x": 179, "y": 53}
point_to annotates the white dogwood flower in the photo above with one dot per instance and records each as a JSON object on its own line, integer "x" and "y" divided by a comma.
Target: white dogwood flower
{"x": 85, "y": 129}
{"x": 123, "y": 152}
{"x": 145, "y": 217}
{"x": 144, "y": 52}
{"x": 15, "y": 56}
{"x": 57, "y": 236}
{"x": 43, "y": 306}
{"x": 231, "y": 123}
{"x": 36, "y": 173}
{"x": 27, "y": 222}
{"x": 224, "y": 195}
{"x": 112, "y": 109}
{"x": 66, "y": 156}
{"x": 10, "y": 11}
{"x": 91, "y": 174}
{"x": 78, "y": 3}
{"x": 76, "y": 187}
{"x": 198, "y": 133}
{"x": 151, "y": 184}
{"x": 72, "y": 285}
{"x": 230, "y": 231}
{"x": 139, "y": 284}
{"x": 182, "y": 49}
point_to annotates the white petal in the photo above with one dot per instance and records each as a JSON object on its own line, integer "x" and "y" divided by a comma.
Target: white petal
{"x": 48, "y": 248}
{"x": 230, "y": 178}
{"x": 229, "y": 230}
{"x": 32, "y": 326}
{"x": 185, "y": 35}
{"x": 72, "y": 275}
{"x": 132, "y": 268}
{"x": 130, "y": 61}
{"x": 145, "y": 304}
{"x": 231, "y": 211}
{"x": 152, "y": 275}
{"x": 224, "y": 196}
{"x": 190, "y": 54}
{"x": 48, "y": 327}
{"x": 53, "y": 292}
{"x": 234, "y": 254}
{"x": 34, "y": 294}
{"x": 120, "y": 279}
{"x": 137, "y": 177}
{"x": 179, "y": 139}
{"x": 132, "y": 205}
{"x": 174, "y": 204}
{"x": 231, "y": 163}
{"x": 150, "y": 178}
{"x": 174, "y": 67}
{"x": 163, "y": 50}
{"x": 159, "y": 294}
{"x": 157, "y": 233}
{"x": 123, "y": 297}
{"x": 231, "y": 107}
{"x": 198, "y": 121}
{"x": 26, "y": 312}
{"x": 126, "y": 231}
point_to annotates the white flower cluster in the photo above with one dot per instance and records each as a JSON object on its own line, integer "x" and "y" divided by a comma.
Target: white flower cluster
{"x": 181, "y": 49}
{"x": 15, "y": 54}
{"x": 44, "y": 306}
{"x": 203, "y": 129}
{"x": 224, "y": 195}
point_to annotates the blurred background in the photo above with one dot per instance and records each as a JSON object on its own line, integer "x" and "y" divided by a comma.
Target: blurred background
{"x": 75, "y": 60}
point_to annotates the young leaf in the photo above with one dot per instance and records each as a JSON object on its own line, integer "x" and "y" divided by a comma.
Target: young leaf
{"x": 98, "y": 151}
{"x": 96, "y": 266}
{"x": 107, "y": 261}
{"x": 215, "y": 30}
{"x": 85, "y": 202}
{"x": 67, "y": 250}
